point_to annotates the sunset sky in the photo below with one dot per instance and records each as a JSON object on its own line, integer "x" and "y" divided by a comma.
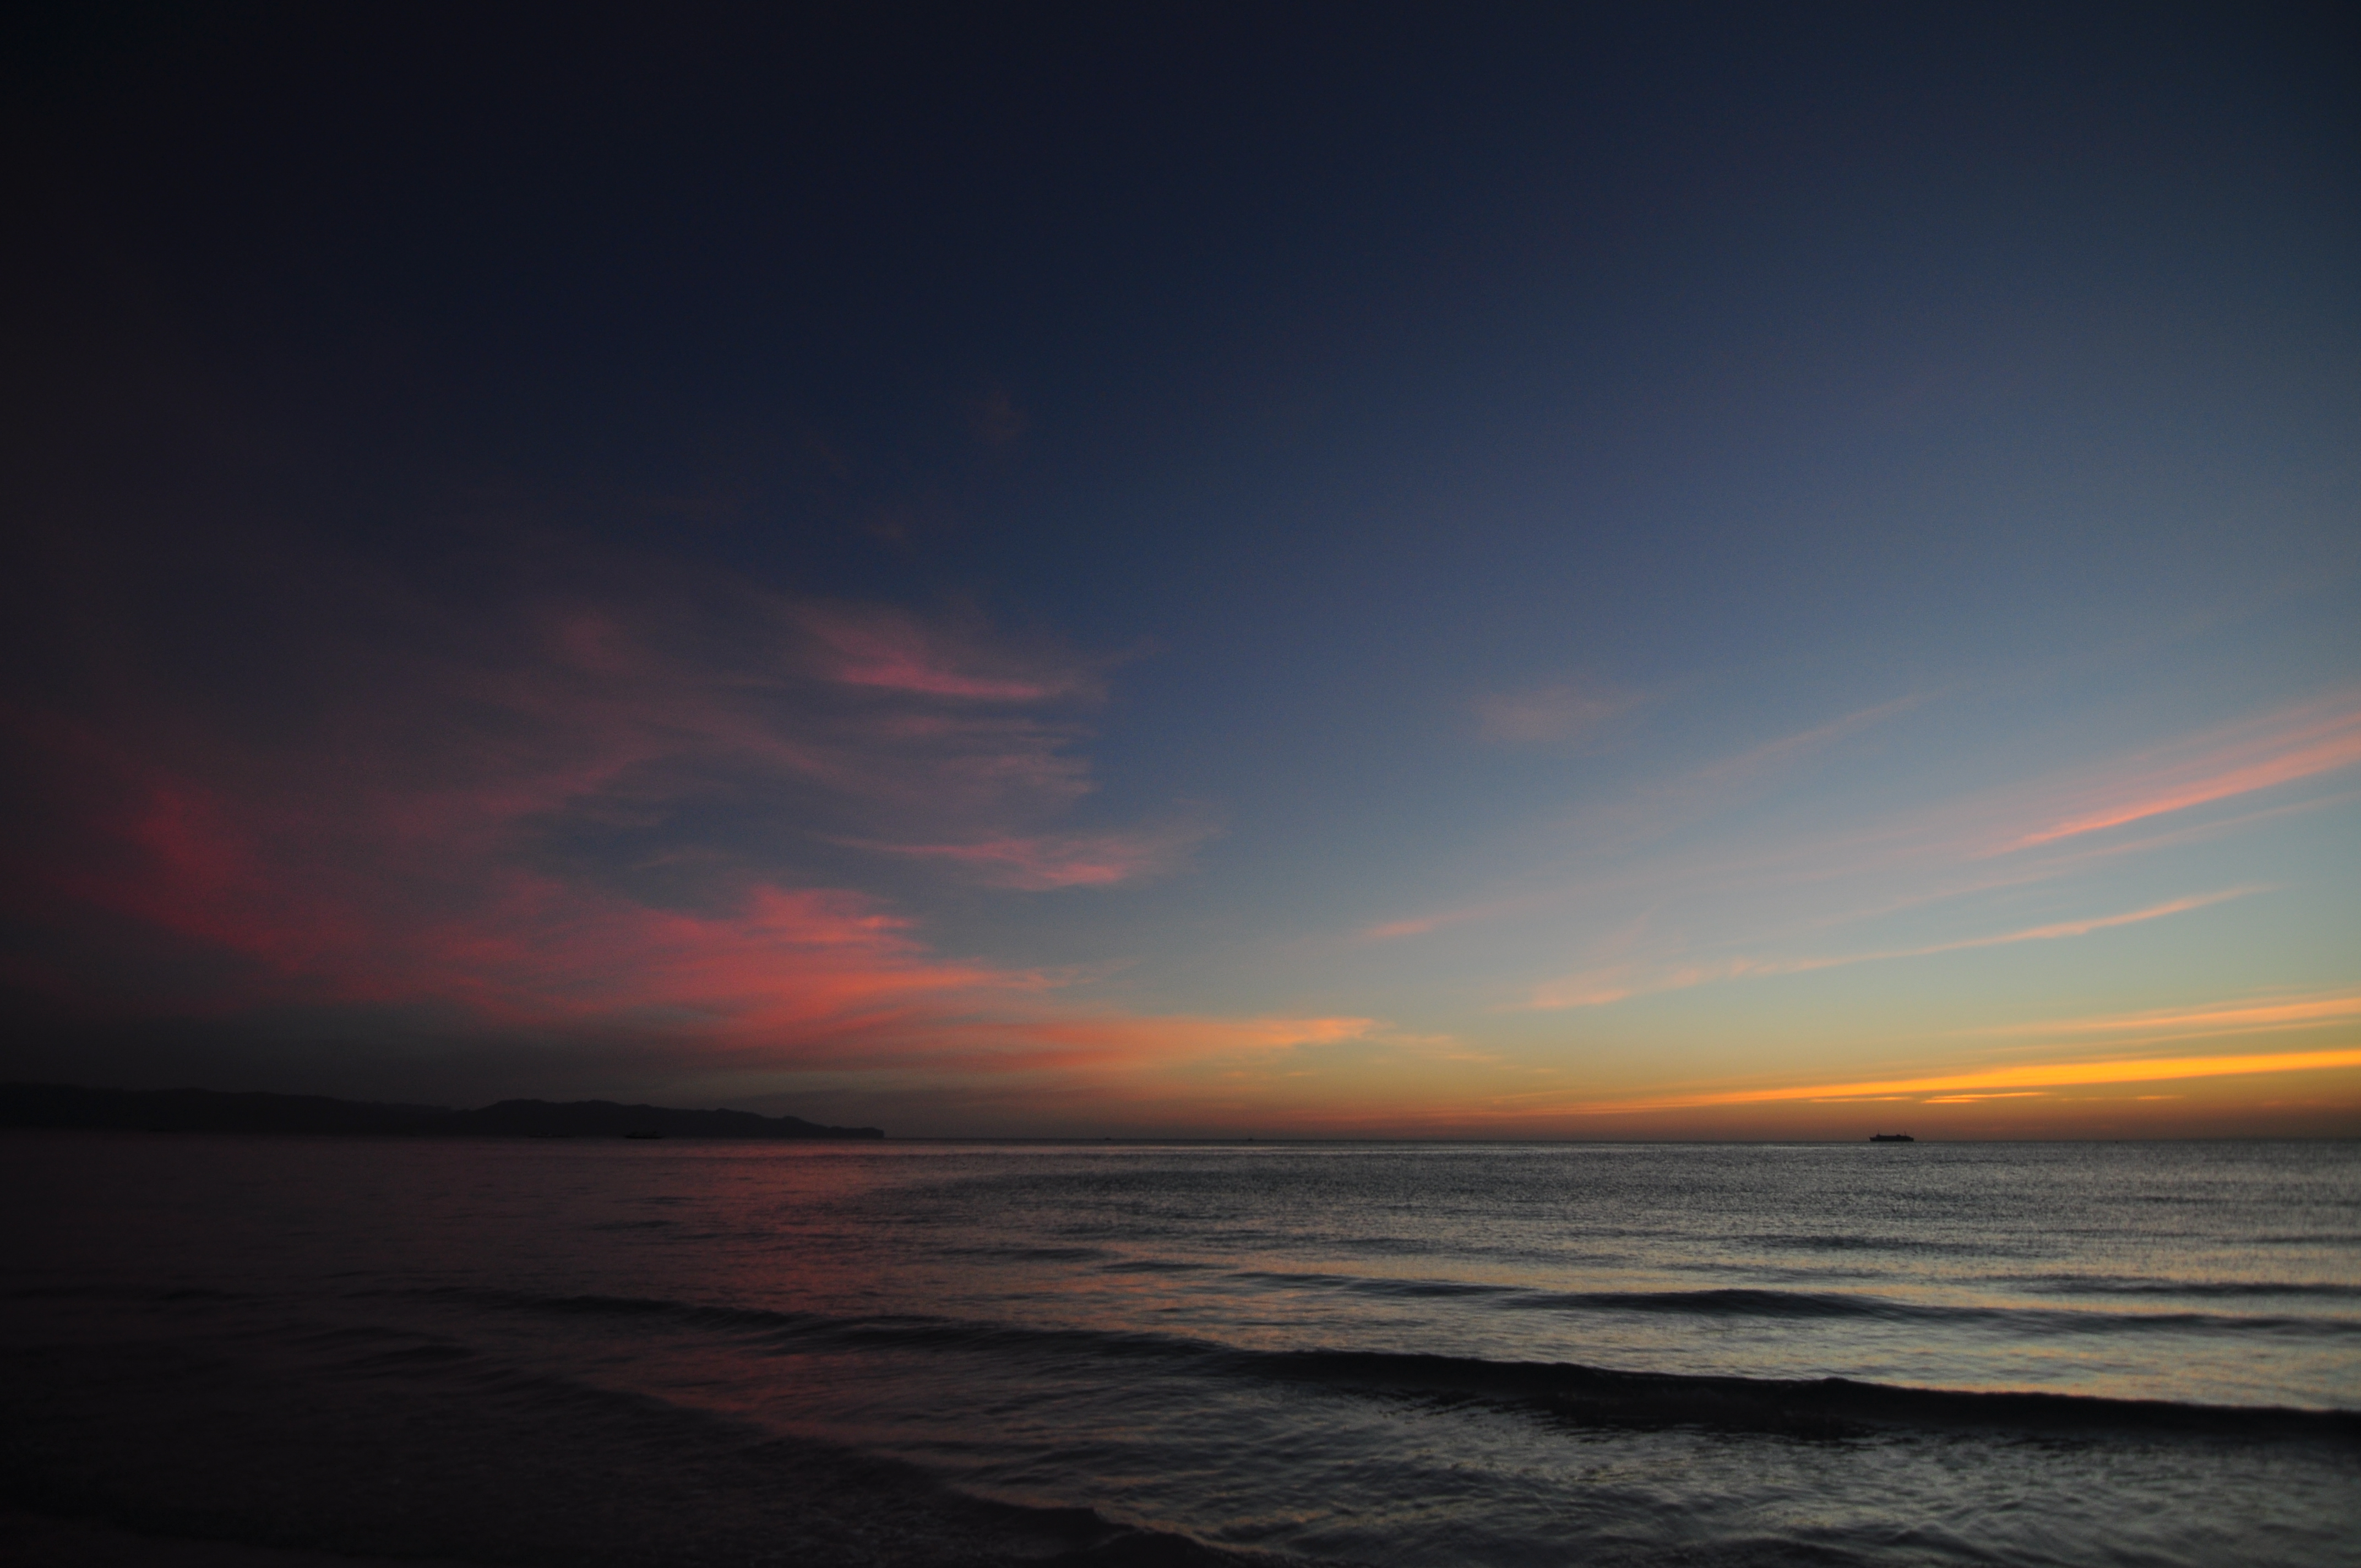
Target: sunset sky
{"x": 1687, "y": 572}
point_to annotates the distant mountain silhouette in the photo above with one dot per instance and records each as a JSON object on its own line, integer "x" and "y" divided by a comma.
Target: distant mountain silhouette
{"x": 207, "y": 1111}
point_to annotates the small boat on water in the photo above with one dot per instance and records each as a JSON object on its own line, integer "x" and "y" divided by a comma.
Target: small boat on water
{"x": 1892, "y": 1138}
{"x": 648, "y": 1134}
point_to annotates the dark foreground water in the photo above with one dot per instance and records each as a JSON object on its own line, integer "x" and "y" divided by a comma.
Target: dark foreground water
{"x": 1386, "y": 1355}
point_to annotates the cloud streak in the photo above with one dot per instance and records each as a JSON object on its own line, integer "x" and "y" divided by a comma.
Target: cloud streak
{"x": 2016, "y": 835}
{"x": 1569, "y": 710}
{"x": 2244, "y": 1017}
{"x": 2280, "y": 749}
{"x": 1696, "y": 794}
{"x": 1599, "y": 988}
{"x": 895, "y": 651}
{"x": 1047, "y": 863}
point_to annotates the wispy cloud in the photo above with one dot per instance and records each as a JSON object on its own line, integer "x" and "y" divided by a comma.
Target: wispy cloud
{"x": 1566, "y": 710}
{"x": 2309, "y": 1012}
{"x": 1044, "y": 863}
{"x": 1420, "y": 925}
{"x": 2242, "y": 759}
{"x": 1727, "y": 902}
{"x": 2053, "y": 931}
{"x": 2013, "y": 835}
{"x": 1599, "y": 987}
{"x": 1741, "y": 768}
{"x": 895, "y": 650}
{"x": 595, "y": 811}
{"x": 995, "y": 419}
{"x": 1689, "y": 796}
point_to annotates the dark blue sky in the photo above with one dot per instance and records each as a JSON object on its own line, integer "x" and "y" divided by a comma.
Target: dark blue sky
{"x": 1102, "y": 515}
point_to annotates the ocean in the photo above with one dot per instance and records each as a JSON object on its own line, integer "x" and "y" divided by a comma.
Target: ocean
{"x": 680, "y": 1351}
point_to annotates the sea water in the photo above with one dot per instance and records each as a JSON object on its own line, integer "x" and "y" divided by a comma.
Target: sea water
{"x": 1384, "y": 1353}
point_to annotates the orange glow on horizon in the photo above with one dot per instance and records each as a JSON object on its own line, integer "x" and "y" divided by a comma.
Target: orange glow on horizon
{"x": 2029, "y": 1078}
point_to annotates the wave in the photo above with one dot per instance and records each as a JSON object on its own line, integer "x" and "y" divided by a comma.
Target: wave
{"x": 2224, "y": 1289}
{"x": 1029, "y": 1254}
{"x": 1823, "y": 1407}
{"x": 1810, "y": 1304}
{"x": 1578, "y": 1394}
{"x": 1721, "y": 1304}
{"x": 1846, "y": 1242}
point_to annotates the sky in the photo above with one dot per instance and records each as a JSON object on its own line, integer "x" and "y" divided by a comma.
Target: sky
{"x": 1510, "y": 571}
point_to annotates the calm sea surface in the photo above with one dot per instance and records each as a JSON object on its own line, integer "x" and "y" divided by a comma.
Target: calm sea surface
{"x": 1380, "y": 1353}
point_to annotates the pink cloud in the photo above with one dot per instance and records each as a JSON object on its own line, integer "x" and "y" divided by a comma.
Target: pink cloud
{"x": 893, "y": 651}
{"x": 2240, "y": 759}
{"x": 440, "y": 830}
{"x": 781, "y": 977}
